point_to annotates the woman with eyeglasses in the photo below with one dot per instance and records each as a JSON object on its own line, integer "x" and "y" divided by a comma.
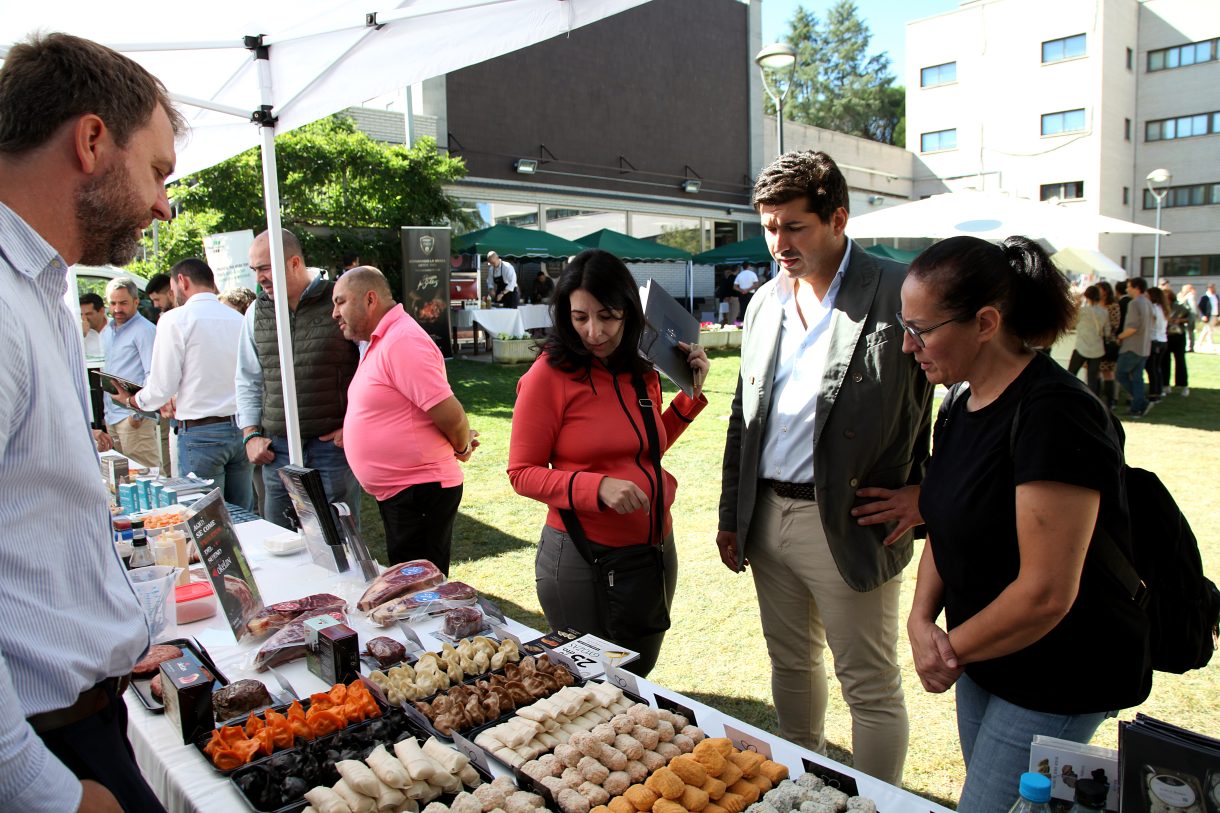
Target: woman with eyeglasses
{"x": 1025, "y": 474}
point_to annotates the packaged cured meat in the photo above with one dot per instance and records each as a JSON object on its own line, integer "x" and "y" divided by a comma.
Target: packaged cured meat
{"x": 415, "y": 605}
{"x": 240, "y": 698}
{"x": 278, "y": 615}
{"x": 386, "y": 651}
{"x": 464, "y": 622}
{"x": 400, "y": 579}
{"x": 289, "y": 643}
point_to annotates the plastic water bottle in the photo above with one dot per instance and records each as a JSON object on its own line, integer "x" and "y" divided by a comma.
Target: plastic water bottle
{"x": 1035, "y": 793}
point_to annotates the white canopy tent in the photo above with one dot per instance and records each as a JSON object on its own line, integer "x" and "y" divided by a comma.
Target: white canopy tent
{"x": 989, "y": 216}
{"x": 242, "y": 71}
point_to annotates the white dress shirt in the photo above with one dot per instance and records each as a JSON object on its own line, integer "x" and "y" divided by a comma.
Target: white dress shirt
{"x": 195, "y": 360}
{"x": 787, "y": 452}
{"x": 505, "y": 272}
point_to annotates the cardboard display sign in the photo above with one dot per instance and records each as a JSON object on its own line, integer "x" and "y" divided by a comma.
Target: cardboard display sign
{"x": 588, "y": 652}
{"x": 747, "y": 742}
{"x": 211, "y": 528}
{"x": 831, "y": 777}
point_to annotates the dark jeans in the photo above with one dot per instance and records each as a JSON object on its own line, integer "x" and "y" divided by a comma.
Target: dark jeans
{"x": 97, "y": 748}
{"x": 565, "y": 591}
{"x": 337, "y": 479}
{"x": 419, "y": 523}
{"x": 1092, "y": 367}
{"x": 1175, "y": 349}
{"x": 1156, "y": 384}
{"x": 1129, "y": 373}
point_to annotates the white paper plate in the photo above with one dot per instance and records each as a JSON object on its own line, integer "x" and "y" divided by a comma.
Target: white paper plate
{"x": 284, "y": 544}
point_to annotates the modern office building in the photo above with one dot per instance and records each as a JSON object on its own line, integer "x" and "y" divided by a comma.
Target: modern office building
{"x": 1079, "y": 101}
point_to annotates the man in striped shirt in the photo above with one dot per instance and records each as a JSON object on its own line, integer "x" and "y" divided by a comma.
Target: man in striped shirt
{"x": 86, "y": 143}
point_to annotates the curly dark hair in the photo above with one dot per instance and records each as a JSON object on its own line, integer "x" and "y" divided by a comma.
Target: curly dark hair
{"x": 810, "y": 174}
{"x": 605, "y": 278}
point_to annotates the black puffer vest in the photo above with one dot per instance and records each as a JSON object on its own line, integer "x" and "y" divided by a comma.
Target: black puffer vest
{"x": 324, "y": 362}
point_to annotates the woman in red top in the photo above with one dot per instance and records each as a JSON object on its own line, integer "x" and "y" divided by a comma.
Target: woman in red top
{"x": 579, "y": 440}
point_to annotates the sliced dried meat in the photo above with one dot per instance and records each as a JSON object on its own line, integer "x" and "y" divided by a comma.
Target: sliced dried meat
{"x": 289, "y": 643}
{"x": 240, "y": 698}
{"x": 387, "y": 651}
{"x": 157, "y": 655}
{"x": 442, "y": 597}
{"x": 278, "y": 615}
{"x": 400, "y": 579}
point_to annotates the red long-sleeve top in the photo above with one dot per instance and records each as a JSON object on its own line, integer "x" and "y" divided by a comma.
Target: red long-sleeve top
{"x": 568, "y": 434}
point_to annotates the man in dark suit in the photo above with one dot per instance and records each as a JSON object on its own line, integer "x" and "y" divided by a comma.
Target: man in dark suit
{"x": 827, "y": 439}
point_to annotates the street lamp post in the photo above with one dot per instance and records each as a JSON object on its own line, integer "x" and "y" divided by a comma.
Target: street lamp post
{"x": 777, "y": 57}
{"x": 1161, "y": 177}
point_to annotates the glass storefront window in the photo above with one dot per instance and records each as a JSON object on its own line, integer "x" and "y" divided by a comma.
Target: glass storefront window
{"x": 570, "y": 222}
{"x": 486, "y": 213}
{"x": 671, "y": 230}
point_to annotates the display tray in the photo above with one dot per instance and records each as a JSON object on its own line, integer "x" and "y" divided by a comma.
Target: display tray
{"x": 282, "y": 708}
{"x": 297, "y": 771}
{"x": 424, "y": 723}
{"x": 142, "y": 687}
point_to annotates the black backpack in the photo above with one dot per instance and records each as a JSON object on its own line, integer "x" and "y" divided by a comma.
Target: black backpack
{"x": 1167, "y": 579}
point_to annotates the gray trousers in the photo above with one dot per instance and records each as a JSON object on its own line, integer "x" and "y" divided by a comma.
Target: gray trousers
{"x": 565, "y": 591}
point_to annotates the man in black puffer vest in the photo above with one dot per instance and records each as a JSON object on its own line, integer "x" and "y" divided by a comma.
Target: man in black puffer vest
{"x": 324, "y": 363}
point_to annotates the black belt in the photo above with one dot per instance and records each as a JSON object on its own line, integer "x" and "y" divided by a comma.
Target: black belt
{"x": 192, "y": 423}
{"x": 793, "y": 491}
{"x": 89, "y": 703}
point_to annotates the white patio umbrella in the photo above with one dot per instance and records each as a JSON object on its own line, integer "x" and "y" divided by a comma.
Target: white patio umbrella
{"x": 1089, "y": 262}
{"x": 990, "y": 216}
{"x": 242, "y": 71}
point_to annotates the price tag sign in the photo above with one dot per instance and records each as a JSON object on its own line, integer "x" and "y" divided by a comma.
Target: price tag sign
{"x": 413, "y": 643}
{"x": 491, "y": 609}
{"x": 748, "y": 742}
{"x": 503, "y": 634}
{"x": 831, "y": 777}
{"x": 473, "y": 752}
{"x": 664, "y": 702}
{"x": 621, "y": 678}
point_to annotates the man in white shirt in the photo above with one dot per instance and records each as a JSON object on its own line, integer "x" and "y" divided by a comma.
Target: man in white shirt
{"x": 92, "y": 322}
{"x": 745, "y": 283}
{"x": 194, "y": 363}
{"x": 502, "y": 281}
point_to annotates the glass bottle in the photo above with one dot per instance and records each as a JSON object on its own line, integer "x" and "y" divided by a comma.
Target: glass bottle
{"x": 141, "y": 553}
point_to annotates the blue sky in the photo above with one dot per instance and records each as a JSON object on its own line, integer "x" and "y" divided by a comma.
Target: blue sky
{"x": 886, "y": 19}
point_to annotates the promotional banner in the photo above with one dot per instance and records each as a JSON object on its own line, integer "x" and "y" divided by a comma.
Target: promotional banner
{"x": 228, "y": 254}
{"x": 425, "y": 281}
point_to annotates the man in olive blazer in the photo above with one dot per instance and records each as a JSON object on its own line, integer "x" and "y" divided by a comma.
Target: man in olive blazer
{"x": 827, "y": 439}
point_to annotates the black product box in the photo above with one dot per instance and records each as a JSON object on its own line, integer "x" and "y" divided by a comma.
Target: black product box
{"x": 336, "y": 656}
{"x": 186, "y": 689}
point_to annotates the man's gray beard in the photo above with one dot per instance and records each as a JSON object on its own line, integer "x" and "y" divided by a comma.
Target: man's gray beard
{"x": 107, "y": 216}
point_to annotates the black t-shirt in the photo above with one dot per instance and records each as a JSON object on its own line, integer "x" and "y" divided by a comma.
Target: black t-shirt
{"x": 1096, "y": 658}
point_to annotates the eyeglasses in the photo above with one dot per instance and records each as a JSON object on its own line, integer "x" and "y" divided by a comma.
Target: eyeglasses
{"x": 918, "y": 333}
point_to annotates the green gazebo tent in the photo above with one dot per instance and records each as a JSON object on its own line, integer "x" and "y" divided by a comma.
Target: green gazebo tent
{"x": 754, "y": 250}
{"x": 513, "y": 242}
{"x": 891, "y": 253}
{"x": 632, "y": 249}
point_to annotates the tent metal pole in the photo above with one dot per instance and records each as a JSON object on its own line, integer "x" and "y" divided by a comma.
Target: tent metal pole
{"x": 690, "y": 285}
{"x": 283, "y": 316}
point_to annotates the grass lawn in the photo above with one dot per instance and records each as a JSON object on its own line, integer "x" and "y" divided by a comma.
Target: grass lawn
{"x": 715, "y": 650}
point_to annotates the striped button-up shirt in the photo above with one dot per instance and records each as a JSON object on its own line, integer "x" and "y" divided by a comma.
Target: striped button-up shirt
{"x": 68, "y": 618}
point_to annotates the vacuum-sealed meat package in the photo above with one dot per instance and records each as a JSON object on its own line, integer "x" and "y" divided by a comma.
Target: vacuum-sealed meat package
{"x": 289, "y": 643}
{"x": 397, "y": 580}
{"x": 464, "y": 622}
{"x": 415, "y": 605}
{"x": 278, "y": 615}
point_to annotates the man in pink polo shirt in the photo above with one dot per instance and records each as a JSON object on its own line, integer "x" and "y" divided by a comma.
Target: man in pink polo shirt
{"x": 404, "y": 431}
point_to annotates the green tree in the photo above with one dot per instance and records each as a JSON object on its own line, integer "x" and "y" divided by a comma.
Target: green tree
{"x": 176, "y": 240}
{"x": 837, "y": 84}
{"x": 340, "y": 191}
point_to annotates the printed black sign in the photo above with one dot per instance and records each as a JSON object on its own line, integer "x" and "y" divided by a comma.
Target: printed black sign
{"x": 425, "y": 281}
{"x": 832, "y": 777}
{"x": 211, "y": 528}
{"x": 664, "y": 702}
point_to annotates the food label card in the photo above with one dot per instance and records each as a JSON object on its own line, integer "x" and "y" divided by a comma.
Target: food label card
{"x": 472, "y": 752}
{"x": 491, "y": 609}
{"x": 664, "y": 702}
{"x": 831, "y": 777}
{"x": 211, "y": 528}
{"x": 747, "y": 742}
{"x": 621, "y": 678}
{"x": 587, "y": 652}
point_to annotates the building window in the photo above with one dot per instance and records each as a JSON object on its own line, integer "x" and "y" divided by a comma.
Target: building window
{"x": 1061, "y": 49}
{"x": 938, "y": 75}
{"x": 938, "y": 141}
{"x": 1199, "y": 194}
{"x": 1065, "y": 121}
{"x": 1183, "y": 55}
{"x": 1186, "y": 265}
{"x": 1130, "y": 58}
{"x": 1182, "y": 127}
{"x": 1068, "y": 190}
{"x": 1126, "y": 129}
{"x": 1126, "y": 196}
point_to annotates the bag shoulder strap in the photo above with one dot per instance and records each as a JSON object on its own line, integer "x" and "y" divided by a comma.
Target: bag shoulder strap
{"x": 654, "y": 448}
{"x": 577, "y": 532}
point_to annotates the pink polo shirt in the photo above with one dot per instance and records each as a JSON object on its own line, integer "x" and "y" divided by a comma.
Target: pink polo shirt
{"x": 388, "y": 437}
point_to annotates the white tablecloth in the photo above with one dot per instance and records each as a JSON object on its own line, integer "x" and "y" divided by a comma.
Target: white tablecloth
{"x": 513, "y": 321}
{"x": 184, "y": 781}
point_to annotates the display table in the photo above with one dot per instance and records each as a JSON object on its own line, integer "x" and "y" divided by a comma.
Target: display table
{"x": 513, "y": 321}
{"x": 184, "y": 781}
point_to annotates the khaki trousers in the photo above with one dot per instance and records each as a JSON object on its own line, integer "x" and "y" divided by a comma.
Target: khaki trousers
{"x": 805, "y": 605}
{"x": 137, "y": 442}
